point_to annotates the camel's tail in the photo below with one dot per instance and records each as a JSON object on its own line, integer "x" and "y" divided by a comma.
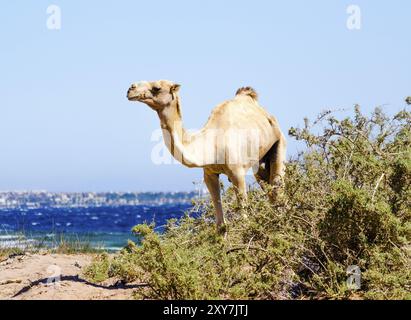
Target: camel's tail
{"x": 248, "y": 91}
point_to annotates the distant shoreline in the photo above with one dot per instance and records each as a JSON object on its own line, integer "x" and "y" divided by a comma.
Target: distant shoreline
{"x": 44, "y": 199}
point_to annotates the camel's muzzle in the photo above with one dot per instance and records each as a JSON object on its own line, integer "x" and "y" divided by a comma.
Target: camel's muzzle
{"x": 132, "y": 95}
{"x": 135, "y": 93}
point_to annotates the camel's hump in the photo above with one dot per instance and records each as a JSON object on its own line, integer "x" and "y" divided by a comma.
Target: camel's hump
{"x": 248, "y": 91}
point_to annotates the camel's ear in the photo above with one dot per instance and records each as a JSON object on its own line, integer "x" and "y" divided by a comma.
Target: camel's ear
{"x": 175, "y": 88}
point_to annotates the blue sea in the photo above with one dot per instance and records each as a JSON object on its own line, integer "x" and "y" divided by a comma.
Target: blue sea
{"x": 103, "y": 227}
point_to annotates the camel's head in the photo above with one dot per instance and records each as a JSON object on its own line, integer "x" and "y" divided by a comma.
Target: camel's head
{"x": 157, "y": 94}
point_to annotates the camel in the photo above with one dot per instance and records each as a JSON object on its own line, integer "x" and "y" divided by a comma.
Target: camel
{"x": 239, "y": 135}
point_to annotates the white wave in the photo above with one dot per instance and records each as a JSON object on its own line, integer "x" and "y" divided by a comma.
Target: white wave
{"x": 9, "y": 237}
{"x": 113, "y": 248}
{"x": 19, "y": 244}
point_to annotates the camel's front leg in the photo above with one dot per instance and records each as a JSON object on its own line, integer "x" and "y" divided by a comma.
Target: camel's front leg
{"x": 213, "y": 184}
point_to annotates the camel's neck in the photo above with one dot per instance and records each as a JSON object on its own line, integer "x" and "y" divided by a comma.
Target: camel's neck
{"x": 175, "y": 136}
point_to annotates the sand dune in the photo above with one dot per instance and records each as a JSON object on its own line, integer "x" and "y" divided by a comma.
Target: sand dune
{"x": 54, "y": 277}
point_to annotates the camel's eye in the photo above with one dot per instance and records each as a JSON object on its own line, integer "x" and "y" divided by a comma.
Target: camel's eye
{"x": 155, "y": 90}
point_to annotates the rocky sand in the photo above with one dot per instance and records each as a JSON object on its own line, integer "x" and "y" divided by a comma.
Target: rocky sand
{"x": 55, "y": 277}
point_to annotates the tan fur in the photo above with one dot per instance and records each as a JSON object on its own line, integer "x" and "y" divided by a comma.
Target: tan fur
{"x": 215, "y": 147}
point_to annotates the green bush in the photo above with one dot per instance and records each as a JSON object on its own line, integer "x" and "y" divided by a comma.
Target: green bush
{"x": 346, "y": 201}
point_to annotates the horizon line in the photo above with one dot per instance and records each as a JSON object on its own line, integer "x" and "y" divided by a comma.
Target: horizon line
{"x": 111, "y": 191}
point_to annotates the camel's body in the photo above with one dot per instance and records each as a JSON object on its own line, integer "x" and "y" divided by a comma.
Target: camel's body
{"x": 239, "y": 135}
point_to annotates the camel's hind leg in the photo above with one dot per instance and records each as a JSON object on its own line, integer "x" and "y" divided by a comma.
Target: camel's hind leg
{"x": 272, "y": 167}
{"x": 237, "y": 177}
{"x": 262, "y": 172}
{"x": 277, "y": 162}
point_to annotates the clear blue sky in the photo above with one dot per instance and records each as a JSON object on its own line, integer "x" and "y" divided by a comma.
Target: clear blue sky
{"x": 65, "y": 124}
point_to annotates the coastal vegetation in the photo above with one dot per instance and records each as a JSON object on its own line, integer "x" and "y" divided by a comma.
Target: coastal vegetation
{"x": 60, "y": 244}
{"x": 6, "y": 253}
{"x": 345, "y": 202}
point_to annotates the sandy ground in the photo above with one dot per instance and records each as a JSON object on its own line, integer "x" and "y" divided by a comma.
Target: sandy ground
{"x": 31, "y": 277}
